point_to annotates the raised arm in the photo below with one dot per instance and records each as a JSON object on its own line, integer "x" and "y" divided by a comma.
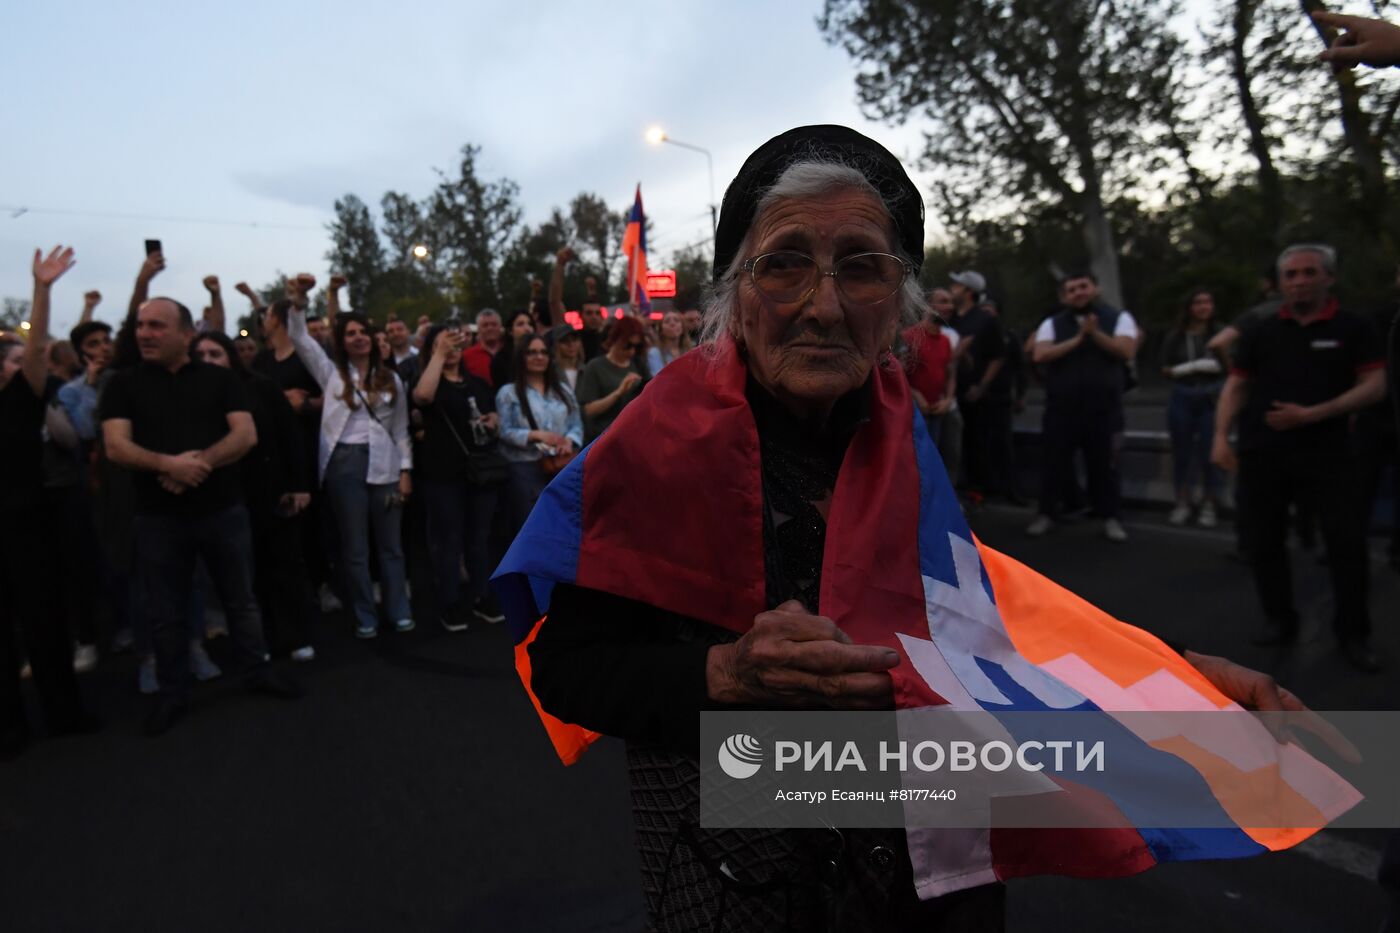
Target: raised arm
{"x": 253, "y": 297}
{"x": 556, "y": 284}
{"x": 215, "y": 320}
{"x": 90, "y": 302}
{"x": 333, "y": 299}
{"x": 310, "y": 352}
{"x": 47, "y": 270}
{"x": 151, "y": 268}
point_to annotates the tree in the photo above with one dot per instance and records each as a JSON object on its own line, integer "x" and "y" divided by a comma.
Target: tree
{"x": 1027, "y": 101}
{"x": 403, "y": 226}
{"x": 692, "y": 267}
{"x": 14, "y": 313}
{"x": 598, "y": 231}
{"x": 355, "y": 249}
{"x": 472, "y": 222}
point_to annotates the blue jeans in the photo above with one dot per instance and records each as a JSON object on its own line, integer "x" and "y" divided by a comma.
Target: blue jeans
{"x": 526, "y": 483}
{"x": 358, "y": 505}
{"x": 1191, "y": 420}
{"x": 459, "y": 523}
{"x": 167, "y": 547}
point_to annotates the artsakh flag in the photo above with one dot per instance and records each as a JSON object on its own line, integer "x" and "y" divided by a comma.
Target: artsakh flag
{"x": 634, "y": 247}
{"x": 975, "y": 629}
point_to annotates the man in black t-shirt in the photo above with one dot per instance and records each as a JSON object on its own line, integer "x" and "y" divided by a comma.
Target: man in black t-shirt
{"x": 1297, "y": 377}
{"x": 29, "y": 578}
{"x": 183, "y": 425}
{"x": 980, "y": 355}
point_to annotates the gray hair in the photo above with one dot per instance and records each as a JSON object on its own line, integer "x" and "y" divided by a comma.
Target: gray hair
{"x": 486, "y": 312}
{"x": 1326, "y": 253}
{"x": 809, "y": 179}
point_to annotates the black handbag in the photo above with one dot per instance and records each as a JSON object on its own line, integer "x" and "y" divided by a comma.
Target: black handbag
{"x": 484, "y": 468}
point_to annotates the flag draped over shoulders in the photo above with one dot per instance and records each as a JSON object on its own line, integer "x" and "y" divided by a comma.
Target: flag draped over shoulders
{"x": 975, "y": 630}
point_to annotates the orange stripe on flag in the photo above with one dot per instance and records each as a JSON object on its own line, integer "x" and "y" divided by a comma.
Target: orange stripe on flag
{"x": 570, "y": 741}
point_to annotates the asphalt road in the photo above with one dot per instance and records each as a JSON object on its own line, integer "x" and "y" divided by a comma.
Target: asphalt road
{"x": 414, "y": 790}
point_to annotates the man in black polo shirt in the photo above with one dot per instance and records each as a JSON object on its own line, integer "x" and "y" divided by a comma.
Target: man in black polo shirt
{"x": 1296, "y": 378}
{"x": 980, "y": 355}
{"x": 1084, "y": 348}
{"x": 182, "y": 425}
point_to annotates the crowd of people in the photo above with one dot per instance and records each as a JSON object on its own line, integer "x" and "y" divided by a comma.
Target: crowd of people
{"x": 300, "y": 472}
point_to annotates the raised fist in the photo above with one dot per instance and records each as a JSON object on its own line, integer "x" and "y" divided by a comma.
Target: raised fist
{"x": 211, "y": 282}
{"x": 338, "y": 281}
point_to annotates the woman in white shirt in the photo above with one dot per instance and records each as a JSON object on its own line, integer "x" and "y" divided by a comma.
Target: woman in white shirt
{"x": 363, "y": 461}
{"x": 568, "y": 354}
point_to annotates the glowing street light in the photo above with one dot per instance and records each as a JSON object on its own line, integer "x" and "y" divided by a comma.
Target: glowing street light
{"x": 243, "y": 333}
{"x": 24, "y": 325}
{"x": 420, "y": 251}
{"x": 656, "y": 136}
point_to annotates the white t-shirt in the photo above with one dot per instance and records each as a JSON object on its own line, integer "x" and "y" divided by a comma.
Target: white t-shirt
{"x": 1126, "y": 327}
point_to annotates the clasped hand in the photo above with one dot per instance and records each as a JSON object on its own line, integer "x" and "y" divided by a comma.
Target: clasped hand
{"x": 791, "y": 658}
{"x": 184, "y": 472}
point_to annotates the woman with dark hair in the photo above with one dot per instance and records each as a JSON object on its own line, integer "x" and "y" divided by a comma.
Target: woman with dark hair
{"x": 277, "y": 487}
{"x": 1197, "y": 374}
{"x": 461, "y": 473}
{"x": 612, "y": 380}
{"x": 519, "y": 326}
{"x": 539, "y": 417}
{"x": 364, "y": 461}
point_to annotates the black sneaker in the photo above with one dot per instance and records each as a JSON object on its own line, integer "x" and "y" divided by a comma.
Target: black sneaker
{"x": 1360, "y": 655}
{"x": 164, "y": 714}
{"x": 271, "y": 684}
{"x": 455, "y": 619}
{"x": 486, "y": 610}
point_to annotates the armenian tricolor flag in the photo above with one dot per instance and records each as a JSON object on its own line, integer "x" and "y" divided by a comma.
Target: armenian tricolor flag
{"x": 975, "y": 629}
{"x": 634, "y": 247}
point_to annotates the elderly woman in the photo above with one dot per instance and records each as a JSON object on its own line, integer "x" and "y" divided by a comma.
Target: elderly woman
{"x": 741, "y": 538}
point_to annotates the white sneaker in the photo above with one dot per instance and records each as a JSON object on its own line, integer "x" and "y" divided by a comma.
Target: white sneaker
{"x": 329, "y": 603}
{"x": 1179, "y": 514}
{"x": 304, "y": 653}
{"x": 1113, "y": 530}
{"x": 200, "y": 664}
{"x": 1207, "y": 518}
{"x": 85, "y": 658}
{"x": 403, "y": 625}
{"x": 1040, "y": 525}
{"x": 146, "y": 680}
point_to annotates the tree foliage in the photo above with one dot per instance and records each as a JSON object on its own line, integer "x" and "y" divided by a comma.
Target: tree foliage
{"x": 355, "y": 249}
{"x": 472, "y": 221}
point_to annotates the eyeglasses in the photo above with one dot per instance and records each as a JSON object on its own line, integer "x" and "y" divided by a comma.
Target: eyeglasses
{"x": 790, "y": 277}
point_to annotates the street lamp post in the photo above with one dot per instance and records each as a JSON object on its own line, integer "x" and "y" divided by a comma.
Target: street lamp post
{"x": 656, "y": 135}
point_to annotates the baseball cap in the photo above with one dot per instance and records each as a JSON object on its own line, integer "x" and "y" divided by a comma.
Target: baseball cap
{"x": 972, "y": 280}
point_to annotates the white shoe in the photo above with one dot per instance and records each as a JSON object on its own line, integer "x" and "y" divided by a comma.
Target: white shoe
{"x": 1179, "y": 514}
{"x": 200, "y": 664}
{"x": 1113, "y": 530}
{"x": 329, "y": 602}
{"x": 304, "y": 653}
{"x": 85, "y": 658}
{"x": 403, "y": 625}
{"x": 1040, "y": 525}
{"x": 1207, "y": 518}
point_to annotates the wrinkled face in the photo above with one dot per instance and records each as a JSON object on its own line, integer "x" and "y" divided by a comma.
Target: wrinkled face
{"x": 488, "y": 328}
{"x": 97, "y": 348}
{"x": 208, "y": 351}
{"x": 247, "y": 350}
{"x": 810, "y": 354}
{"x": 1202, "y": 307}
{"x": 357, "y": 340}
{"x": 521, "y": 325}
{"x": 940, "y": 300}
{"x": 1079, "y": 293}
{"x": 672, "y": 325}
{"x": 1304, "y": 280}
{"x": 10, "y": 363}
{"x": 537, "y": 356}
{"x": 397, "y": 332}
{"x": 160, "y": 336}
{"x": 592, "y": 315}
{"x": 692, "y": 320}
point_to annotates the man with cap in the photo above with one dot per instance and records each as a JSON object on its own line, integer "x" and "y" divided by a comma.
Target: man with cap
{"x": 981, "y": 354}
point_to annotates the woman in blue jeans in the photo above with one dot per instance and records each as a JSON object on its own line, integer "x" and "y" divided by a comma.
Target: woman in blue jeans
{"x": 460, "y": 473}
{"x": 1197, "y": 375}
{"x": 364, "y": 461}
{"x": 551, "y": 423}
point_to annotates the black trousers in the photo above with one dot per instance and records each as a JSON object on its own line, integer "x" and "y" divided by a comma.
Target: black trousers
{"x": 1065, "y": 430}
{"x": 280, "y": 580}
{"x": 1326, "y": 483}
{"x": 974, "y": 446}
{"x": 30, "y": 581}
{"x": 1001, "y": 460}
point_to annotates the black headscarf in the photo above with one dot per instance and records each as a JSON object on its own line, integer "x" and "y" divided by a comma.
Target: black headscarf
{"x": 826, "y": 143}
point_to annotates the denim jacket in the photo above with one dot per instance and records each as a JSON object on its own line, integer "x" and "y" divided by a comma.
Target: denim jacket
{"x": 551, "y": 414}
